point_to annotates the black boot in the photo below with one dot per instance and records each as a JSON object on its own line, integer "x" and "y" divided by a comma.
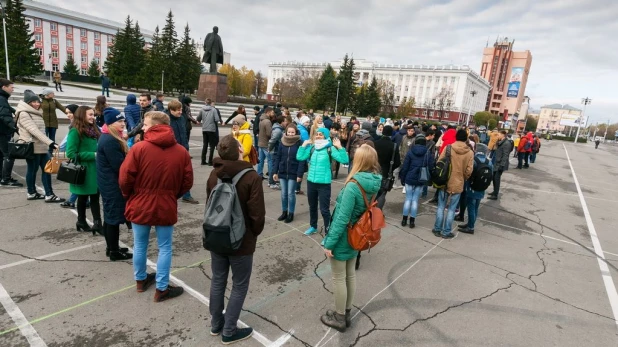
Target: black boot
{"x": 96, "y": 227}
{"x": 121, "y": 250}
{"x": 290, "y": 218}
{"x": 118, "y": 255}
{"x": 335, "y": 321}
{"x": 357, "y": 261}
{"x": 283, "y": 216}
{"x": 412, "y": 220}
{"x": 129, "y": 225}
{"x": 404, "y": 221}
{"x": 82, "y": 225}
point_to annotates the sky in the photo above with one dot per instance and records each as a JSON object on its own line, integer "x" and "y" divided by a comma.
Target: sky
{"x": 573, "y": 43}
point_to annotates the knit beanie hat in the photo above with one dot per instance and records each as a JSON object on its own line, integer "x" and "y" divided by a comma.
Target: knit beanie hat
{"x": 47, "y": 91}
{"x": 112, "y": 115}
{"x": 240, "y": 119}
{"x": 304, "y": 119}
{"x": 325, "y": 132}
{"x": 29, "y": 96}
{"x": 387, "y": 131}
{"x": 461, "y": 135}
{"x": 366, "y": 126}
{"x": 72, "y": 108}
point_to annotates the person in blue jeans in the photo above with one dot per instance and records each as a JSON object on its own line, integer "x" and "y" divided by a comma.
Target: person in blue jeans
{"x": 461, "y": 162}
{"x": 288, "y": 171}
{"x": 418, "y": 158}
{"x": 473, "y": 197}
{"x": 155, "y": 173}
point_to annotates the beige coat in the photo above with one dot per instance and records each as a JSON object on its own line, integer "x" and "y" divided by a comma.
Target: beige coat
{"x": 494, "y": 136}
{"x": 32, "y": 127}
{"x": 57, "y": 77}
{"x": 462, "y": 163}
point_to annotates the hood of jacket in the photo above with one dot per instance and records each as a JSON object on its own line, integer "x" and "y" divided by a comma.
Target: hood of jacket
{"x": 207, "y": 108}
{"x": 369, "y": 181}
{"x": 5, "y": 94}
{"x": 160, "y": 135}
{"x": 460, "y": 147}
{"x": 229, "y": 168}
{"x": 264, "y": 116}
{"x": 449, "y": 137}
{"x": 245, "y": 126}
{"x": 22, "y": 106}
{"x": 480, "y": 156}
{"x": 131, "y": 99}
{"x": 277, "y": 126}
{"x": 419, "y": 150}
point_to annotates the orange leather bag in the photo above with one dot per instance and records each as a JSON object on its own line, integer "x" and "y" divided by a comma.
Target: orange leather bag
{"x": 366, "y": 232}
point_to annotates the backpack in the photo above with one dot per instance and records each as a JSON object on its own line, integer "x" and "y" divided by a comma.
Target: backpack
{"x": 365, "y": 233}
{"x": 527, "y": 145}
{"x": 481, "y": 176}
{"x": 442, "y": 171}
{"x": 224, "y": 222}
{"x": 254, "y": 159}
{"x": 535, "y": 146}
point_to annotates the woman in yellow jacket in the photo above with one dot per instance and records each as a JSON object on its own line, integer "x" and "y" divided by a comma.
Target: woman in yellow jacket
{"x": 241, "y": 132}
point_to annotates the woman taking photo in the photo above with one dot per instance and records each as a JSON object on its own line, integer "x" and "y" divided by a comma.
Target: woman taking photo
{"x": 32, "y": 129}
{"x": 288, "y": 171}
{"x": 365, "y": 175}
{"x": 410, "y": 174}
{"x": 82, "y": 148}
{"x": 111, "y": 151}
{"x": 319, "y": 152}
{"x": 241, "y": 132}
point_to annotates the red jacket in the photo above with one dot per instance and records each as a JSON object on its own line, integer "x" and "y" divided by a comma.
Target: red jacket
{"x": 448, "y": 139}
{"x": 156, "y": 172}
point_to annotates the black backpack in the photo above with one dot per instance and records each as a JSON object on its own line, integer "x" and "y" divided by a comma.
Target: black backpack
{"x": 442, "y": 171}
{"x": 481, "y": 176}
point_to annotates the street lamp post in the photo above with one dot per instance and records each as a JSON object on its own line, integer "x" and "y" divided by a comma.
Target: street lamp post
{"x": 473, "y": 93}
{"x": 162, "y": 79}
{"x": 51, "y": 67}
{"x": 6, "y": 49}
{"x": 586, "y": 101}
{"x": 337, "y": 100}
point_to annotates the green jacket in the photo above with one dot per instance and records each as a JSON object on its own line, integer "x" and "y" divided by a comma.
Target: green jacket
{"x": 349, "y": 207}
{"x": 49, "y": 106}
{"x": 319, "y": 163}
{"x": 86, "y": 147}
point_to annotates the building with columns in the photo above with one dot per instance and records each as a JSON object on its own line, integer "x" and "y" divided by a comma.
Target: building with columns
{"x": 61, "y": 33}
{"x": 423, "y": 83}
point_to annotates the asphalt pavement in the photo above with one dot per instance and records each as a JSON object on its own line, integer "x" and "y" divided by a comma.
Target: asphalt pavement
{"x": 531, "y": 275}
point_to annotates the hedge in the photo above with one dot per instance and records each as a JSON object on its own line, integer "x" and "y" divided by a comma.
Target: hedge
{"x": 568, "y": 138}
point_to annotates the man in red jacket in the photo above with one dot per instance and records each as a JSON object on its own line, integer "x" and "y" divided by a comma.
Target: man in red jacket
{"x": 250, "y": 194}
{"x": 523, "y": 150}
{"x": 155, "y": 174}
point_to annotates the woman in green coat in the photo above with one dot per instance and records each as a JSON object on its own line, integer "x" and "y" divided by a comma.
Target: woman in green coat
{"x": 350, "y": 206}
{"x": 82, "y": 147}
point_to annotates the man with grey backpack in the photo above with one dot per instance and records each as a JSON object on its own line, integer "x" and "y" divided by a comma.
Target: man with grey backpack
{"x": 231, "y": 230}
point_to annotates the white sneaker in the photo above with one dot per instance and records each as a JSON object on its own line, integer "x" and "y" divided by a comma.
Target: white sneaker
{"x": 403, "y": 191}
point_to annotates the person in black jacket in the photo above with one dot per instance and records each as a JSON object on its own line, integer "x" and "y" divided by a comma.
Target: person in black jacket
{"x": 256, "y": 124}
{"x": 288, "y": 171}
{"x": 502, "y": 155}
{"x": 7, "y": 129}
{"x": 385, "y": 147}
{"x": 177, "y": 123}
{"x": 240, "y": 110}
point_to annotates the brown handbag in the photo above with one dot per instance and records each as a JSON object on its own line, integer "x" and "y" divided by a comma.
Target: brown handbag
{"x": 366, "y": 232}
{"x": 53, "y": 164}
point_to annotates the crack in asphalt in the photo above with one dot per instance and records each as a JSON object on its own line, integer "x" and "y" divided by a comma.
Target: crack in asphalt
{"x": 60, "y": 260}
{"x": 278, "y": 327}
{"x": 315, "y": 271}
{"x": 13, "y": 207}
{"x": 538, "y": 253}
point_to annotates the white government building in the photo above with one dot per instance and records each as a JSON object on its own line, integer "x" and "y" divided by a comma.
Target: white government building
{"x": 421, "y": 82}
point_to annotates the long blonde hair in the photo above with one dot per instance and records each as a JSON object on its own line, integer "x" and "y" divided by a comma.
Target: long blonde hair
{"x": 314, "y": 127}
{"x": 118, "y": 136}
{"x": 365, "y": 160}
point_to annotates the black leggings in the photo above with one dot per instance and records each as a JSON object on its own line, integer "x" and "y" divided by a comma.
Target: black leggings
{"x": 112, "y": 236}
{"x": 210, "y": 139}
{"x": 94, "y": 207}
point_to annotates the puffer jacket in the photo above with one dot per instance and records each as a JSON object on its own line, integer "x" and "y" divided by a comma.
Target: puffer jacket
{"x": 7, "y": 123}
{"x": 32, "y": 127}
{"x": 319, "y": 163}
{"x": 132, "y": 112}
{"x": 417, "y": 157}
{"x": 349, "y": 207}
{"x": 49, "y": 107}
{"x": 285, "y": 163}
{"x": 462, "y": 163}
{"x": 275, "y": 138}
{"x": 244, "y": 137}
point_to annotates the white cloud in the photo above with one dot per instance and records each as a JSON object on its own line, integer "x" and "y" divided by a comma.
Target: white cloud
{"x": 573, "y": 43}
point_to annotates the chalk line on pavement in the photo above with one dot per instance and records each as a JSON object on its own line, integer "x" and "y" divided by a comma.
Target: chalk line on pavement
{"x": 25, "y": 261}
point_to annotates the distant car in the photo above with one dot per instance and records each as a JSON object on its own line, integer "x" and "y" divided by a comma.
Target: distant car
{"x": 560, "y": 134}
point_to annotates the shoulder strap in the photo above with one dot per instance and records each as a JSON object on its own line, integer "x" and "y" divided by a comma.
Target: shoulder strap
{"x": 448, "y": 151}
{"x": 239, "y": 175}
{"x": 362, "y": 192}
{"x": 390, "y": 169}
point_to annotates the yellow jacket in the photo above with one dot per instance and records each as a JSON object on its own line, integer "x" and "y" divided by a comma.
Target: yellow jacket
{"x": 245, "y": 137}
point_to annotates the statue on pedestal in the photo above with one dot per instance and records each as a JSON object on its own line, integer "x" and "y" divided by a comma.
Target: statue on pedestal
{"x": 213, "y": 50}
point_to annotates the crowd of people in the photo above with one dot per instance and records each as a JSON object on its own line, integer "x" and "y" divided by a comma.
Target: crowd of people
{"x": 138, "y": 164}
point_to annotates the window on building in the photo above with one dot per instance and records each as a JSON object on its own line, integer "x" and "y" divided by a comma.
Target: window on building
{"x": 97, "y": 48}
{"x": 84, "y": 59}
{"x": 37, "y": 37}
{"x": 83, "y": 72}
{"x": 69, "y": 29}
{"x": 69, "y": 56}
{"x": 53, "y": 26}
{"x": 110, "y": 38}
{"x": 97, "y": 36}
{"x": 37, "y": 23}
{"x": 55, "y": 67}
{"x": 406, "y": 88}
{"x": 97, "y": 60}
{"x": 40, "y": 51}
{"x": 84, "y": 45}
{"x": 431, "y": 114}
{"x": 397, "y": 98}
{"x": 69, "y": 43}
{"x": 55, "y": 54}
{"x": 54, "y": 40}
{"x": 82, "y": 32}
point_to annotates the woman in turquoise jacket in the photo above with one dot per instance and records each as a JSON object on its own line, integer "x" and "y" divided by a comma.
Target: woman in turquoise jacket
{"x": 320, "y": 152}
{"x": 82, "y": 147}
{"x": 349, "y": 207}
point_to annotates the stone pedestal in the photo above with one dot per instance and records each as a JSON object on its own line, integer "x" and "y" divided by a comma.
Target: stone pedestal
{"x": 213, "y": 87}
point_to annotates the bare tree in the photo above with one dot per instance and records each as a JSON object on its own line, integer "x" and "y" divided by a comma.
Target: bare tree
{"x": 444, "y": 102}
{"x": 387, "y": 95}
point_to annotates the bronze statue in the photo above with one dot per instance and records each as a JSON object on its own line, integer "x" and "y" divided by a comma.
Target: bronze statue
{"x": 213, "y": 50}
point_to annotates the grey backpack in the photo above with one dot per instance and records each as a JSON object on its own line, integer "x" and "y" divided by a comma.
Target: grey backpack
{"x": 224, "y": 223}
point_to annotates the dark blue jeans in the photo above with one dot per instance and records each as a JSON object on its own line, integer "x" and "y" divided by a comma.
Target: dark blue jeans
{"x": 105, "y": 89}
{"x": 51, "y": 133}
{"x": 33, "y": 166}
{"x": 6, "y": 163}
{"x": 473, "y": 210}
{"x": 318, "y": 193}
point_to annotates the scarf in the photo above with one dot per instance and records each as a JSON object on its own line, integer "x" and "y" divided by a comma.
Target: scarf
{"x": 321, "y": 144}
{"x": 289, "y": 141}
{"x": 91, "y": 133}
